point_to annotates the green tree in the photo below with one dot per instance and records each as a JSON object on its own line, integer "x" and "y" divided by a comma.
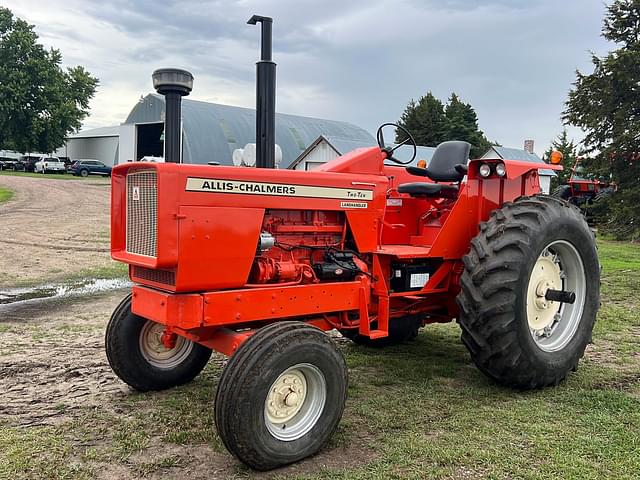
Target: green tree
{"x": 606, "y": 105}
{"x": 431, "y": 122}
{"x": 569, "y": 151}
{"x": 462, "y": 124}
{"x": 40, "y": 103}
{"x": 424, "y": 119}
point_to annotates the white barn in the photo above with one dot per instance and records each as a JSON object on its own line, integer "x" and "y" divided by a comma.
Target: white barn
{"x": 97, "y": 144}
{"x": 326, "y": 148}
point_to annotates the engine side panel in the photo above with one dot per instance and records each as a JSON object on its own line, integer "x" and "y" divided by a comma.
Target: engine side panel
{"x": 217, "y": 246}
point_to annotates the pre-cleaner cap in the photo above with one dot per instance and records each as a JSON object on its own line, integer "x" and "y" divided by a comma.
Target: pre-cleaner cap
{"x": 172, "y": 79}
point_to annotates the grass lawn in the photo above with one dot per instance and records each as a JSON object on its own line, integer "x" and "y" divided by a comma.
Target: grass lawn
{"x": 416, "y": 411}
{"x": 57, "y": 176}
{"x": 5, "y": 194}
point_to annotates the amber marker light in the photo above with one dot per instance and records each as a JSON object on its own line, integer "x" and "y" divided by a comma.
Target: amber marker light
{"x": 556, "y": 157}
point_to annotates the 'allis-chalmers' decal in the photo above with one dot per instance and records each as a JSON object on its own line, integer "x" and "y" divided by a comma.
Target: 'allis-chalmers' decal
{"x": 279, "y": 189}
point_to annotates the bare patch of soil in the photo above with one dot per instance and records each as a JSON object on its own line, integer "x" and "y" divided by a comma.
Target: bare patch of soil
{"x": 52, "y": 228}
{"x": 200, "y": 462}
{"x": 52, "y": 359}
{"x": 603, "y": 352}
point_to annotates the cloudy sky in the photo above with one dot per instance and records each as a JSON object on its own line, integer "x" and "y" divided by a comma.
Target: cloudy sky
{"x": 513, "y": 60}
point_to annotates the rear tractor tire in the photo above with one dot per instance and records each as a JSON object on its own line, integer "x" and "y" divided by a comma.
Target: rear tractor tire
{"x": 603, "y": 195}
{"x": 137, "y": 355}
{"x": 281, "y": 396}
{"x": 562, "y": 191}
{"x": 516, "y": 335}
{"x": 401, "y": 330}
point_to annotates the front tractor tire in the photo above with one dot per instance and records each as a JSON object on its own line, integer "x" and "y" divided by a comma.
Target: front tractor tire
{"x": 514, "y": 334}
{"x": 137, "y": 355}
{"x": 281, "y": 396}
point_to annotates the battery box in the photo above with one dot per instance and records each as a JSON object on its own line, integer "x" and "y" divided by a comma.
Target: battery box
{"x": 407, "y": 277}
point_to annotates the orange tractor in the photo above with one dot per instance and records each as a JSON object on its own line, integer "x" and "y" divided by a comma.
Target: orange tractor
{"x": 258, "y": 264}
{"x": 584, "y": 189}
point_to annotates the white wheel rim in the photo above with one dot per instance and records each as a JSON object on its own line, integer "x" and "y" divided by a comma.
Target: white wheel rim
{"x": 156, "y": 353}
{"x": 554, "y": 324}
{"x": 295, "y": 402}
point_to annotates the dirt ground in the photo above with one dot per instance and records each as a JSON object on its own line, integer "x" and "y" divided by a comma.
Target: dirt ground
{"x": 54, "y": 372}
{"x": 53, "y": 228}
{"x": 52, "y": 355}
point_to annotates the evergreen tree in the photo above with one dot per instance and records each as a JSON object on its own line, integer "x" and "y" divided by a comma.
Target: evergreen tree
{"x": 424, "y": 119}
{"x": 606, "y": 105}
{"x": 462, "y": 124}
{"x": 569, "y": 150}
{"x": 431, "y": 122}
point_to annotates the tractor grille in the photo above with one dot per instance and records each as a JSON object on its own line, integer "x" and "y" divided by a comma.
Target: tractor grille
{"x": 142, "y": 213}
{"x": 165, "y": 277}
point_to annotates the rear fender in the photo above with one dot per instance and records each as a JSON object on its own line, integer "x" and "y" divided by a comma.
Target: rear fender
{"x": 514, "y": 168}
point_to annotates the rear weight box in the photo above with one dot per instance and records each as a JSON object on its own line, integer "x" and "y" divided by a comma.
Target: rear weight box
{"x": 406, "y": 277}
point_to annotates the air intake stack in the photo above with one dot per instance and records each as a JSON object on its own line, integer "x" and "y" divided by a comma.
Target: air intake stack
{"x": 173, "y": 83}
{"x": 265, "y": 97}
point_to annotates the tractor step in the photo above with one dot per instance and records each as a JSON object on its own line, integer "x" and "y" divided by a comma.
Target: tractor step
{"x": 373, "y": 334}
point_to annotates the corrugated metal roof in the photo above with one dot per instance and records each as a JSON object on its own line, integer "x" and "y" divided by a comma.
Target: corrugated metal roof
{"x": 213, "y": 131}
{"x": 98, "y": 132}
{"x": 346, "y": 145}
{"x": 10, "y": 154}
{"x": 506, "y": 153}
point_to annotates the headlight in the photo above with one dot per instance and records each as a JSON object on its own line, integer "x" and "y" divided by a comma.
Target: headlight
{"x": 501, "y": 171}
{"x": 484, "y": 170}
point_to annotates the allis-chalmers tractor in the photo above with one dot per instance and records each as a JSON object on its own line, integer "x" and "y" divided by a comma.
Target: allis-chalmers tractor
{"x": 582, "y": 190}
{"x": 258, "y": 264}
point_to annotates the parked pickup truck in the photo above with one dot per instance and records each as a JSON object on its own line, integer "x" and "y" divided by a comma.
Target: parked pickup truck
{"x": 50, "y": 164}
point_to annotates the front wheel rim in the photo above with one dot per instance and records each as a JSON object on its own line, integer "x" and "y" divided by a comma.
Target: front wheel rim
{"x": 156, "y": 353}
{"x": 554, "y": 324}
{"x": 295, "y": 401}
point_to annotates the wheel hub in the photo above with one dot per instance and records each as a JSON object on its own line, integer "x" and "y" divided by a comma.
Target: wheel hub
{"x": 156, "y": 347}
{"x": 286, "y": 396}
{"x": 546, "y": 275}
{"x": 295, "y": 402}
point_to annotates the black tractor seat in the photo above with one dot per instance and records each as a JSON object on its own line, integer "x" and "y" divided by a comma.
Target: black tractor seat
{"x": 424, "y": 189}
{"x": 448, "y": 164}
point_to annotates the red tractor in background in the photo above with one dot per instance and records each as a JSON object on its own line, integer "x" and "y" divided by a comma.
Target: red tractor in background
{"x": 582, "y": 189}
{"x": 258, "y": 264}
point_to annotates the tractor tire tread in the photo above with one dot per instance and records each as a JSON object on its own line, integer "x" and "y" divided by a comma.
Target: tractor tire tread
{"x": 489, "y": 286}
{"x": 239, "y": 380}
{"x": 127, "y": 363}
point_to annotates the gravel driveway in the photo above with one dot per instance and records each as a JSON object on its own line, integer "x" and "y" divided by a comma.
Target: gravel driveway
{"x": 52, "y": 229}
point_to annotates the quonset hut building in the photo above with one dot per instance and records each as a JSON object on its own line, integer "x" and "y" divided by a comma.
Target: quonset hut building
{"x": 211, "y": 132}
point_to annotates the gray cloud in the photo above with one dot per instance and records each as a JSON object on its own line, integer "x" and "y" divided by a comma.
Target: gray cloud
{"x": 361, "y": 62}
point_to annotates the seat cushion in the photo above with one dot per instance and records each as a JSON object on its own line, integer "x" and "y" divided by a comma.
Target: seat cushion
{"x": 424, "y": 189}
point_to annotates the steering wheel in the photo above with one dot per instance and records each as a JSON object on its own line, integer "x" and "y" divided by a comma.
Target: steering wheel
{"x": 389, "y": 151}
